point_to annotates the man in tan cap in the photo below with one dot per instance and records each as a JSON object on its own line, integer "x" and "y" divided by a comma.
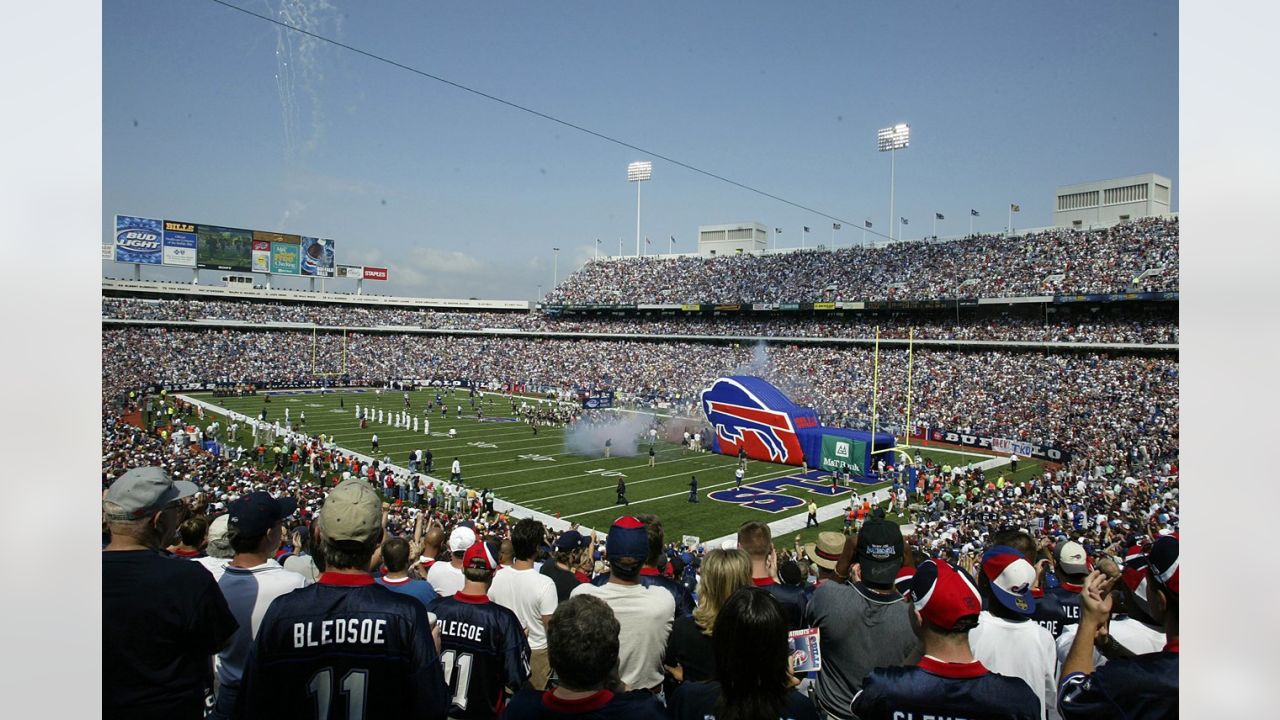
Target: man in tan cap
{"x": 825, "y": 553}
{"x": 340, "y": 639}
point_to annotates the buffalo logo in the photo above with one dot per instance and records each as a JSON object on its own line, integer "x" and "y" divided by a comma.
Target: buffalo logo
{"x": 138, "y": 240}
{"x": 742, "y": 421}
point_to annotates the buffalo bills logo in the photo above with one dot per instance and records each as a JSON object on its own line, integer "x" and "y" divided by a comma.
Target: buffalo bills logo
{"x": 743, "y": 421}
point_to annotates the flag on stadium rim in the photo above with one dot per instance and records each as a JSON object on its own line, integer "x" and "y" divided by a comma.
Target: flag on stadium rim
{"x": 1014, "y": 207}
{"x": 867, "y": 223}
{"x": 835, "y": 226}
{"x": 973, "y": 213}
{"x": 777, "y": 231}
{"x": 673, "y": 238}
{"x": 904, "y": 221}
{"x": 647, "y": 241}
{"x": 806, "y": 228}
{"x": 938, "y": 216}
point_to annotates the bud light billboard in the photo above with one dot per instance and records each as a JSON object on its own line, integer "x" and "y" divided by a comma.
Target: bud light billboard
{"x": 138, "y": 240}
{"x": 317, "y": 257}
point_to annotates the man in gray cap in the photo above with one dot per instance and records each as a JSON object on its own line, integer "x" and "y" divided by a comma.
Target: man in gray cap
{"x": 162, "y": 617}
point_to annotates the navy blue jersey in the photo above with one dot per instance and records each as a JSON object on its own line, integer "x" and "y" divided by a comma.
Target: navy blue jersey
{"x": 342, "y": 649}
{"x": 604, "y": 705}
{"x": 944, "y": 690}
{"x": 683, "y": 598}
{"x": 1066, "y": 606}
{"x": 791, "y": 597}
{"x": 483, "y": 650}
{"x": 1144, "y": 686}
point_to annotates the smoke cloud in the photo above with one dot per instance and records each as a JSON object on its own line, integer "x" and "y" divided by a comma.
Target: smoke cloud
{"x": 626, "y": 430}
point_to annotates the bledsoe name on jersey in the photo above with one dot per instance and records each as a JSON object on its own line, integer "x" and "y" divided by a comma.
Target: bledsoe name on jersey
{"x": 459, "y": 629}
{"x": 361, "y": 631}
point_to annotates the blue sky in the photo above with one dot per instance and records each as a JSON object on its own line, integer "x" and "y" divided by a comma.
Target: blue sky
{"x": 210, "y": 115}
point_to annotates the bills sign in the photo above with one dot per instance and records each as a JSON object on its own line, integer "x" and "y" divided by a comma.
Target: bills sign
{"x": 770, "y": 495}
{"x": 179, "y": 243}
{"x": 138, "y": 240}
{"x": 751, "y": 415}
{"x": 1052, "y": 453}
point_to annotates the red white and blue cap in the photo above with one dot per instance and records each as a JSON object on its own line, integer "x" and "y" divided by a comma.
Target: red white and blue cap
{"x": 1162, "y": 562}
{"x": 478, "y": 556}
{"x": 627, "y": 538}
{"x": 942, "y": 593}
{"x": 1010, "y": 577}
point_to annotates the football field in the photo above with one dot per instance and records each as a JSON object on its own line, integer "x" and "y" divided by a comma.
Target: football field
{"x": 539, "y": 472}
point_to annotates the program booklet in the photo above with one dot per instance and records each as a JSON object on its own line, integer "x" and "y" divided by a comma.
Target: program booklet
{"x": 805, "y": 656}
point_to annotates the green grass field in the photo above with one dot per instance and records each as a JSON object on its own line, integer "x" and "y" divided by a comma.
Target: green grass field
{"x": 537, "y": 472}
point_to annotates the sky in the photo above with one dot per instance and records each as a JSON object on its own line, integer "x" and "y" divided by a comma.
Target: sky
{"x": 212, "y": 116}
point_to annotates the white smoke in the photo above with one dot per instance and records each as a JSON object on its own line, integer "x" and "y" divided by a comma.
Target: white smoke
{"x": 626, "y": 430}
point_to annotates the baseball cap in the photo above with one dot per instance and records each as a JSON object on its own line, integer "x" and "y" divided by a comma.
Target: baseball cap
{"x": 570, "y": 541}
{"x": 1162, "y": 562}
{"x": 826, "y": 551}
{"x": 1010, "y": 576}
{"x": 479, "y": 557}
{"x": 880, "y": 551}
{"x": 254, "y": 514}
{"x": 461, "y": 539}
{"x": 1073, "y": 559}
{"x": 942, "y": 593}
{"x": 351, "y": 511}
{"x": 144, "y": 490}
{"x": 627, "y": 539}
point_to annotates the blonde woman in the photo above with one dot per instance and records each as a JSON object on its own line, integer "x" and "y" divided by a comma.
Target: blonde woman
{"x": 689, "y": 651}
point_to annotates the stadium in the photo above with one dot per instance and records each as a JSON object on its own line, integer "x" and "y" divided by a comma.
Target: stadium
{"x": 983, "y": 423}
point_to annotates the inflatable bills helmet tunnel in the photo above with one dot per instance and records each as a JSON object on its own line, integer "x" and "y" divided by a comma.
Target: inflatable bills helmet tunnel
{"x": 751, "y": 414}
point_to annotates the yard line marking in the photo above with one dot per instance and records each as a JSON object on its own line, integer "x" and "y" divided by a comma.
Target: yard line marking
{"x": 566, "y": 477}
{"x": 636, "y": 482}
{"x": 675, "y": 494}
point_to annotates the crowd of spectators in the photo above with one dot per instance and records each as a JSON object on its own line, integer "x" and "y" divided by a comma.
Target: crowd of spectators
{"x": 1059, "y": 261}
{"x": 1132, "y": 330}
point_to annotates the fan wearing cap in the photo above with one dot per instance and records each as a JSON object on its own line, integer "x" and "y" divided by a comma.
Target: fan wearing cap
{"x": 1007, "y": 640}
{"x": 1072, "y": 566}
{"x": 345, "y": 641}
{"x": 255, "y": 527}
{"x": 948, "y": 681}
{"x": 644, "y": 612}
{"x": 483, "y": 647}
{"x": 864, "y": 624}
{"x": 566, "y": 555}
{"x": 1144, "y": 685}
{"x": 825, "y": 553}
{"x": 446, "y": 578}
{"x": 162, "y": 617}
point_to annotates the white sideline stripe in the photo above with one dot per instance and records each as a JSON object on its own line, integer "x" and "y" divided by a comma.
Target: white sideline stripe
{"x": 606, "y": 487}
{"x": 771, "y": 476}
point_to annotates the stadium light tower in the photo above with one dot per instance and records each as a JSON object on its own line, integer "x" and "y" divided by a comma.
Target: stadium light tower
{"x": 890, "y": 140}
{"x": 555, "y": 266}
{"x": 638, "y": 172}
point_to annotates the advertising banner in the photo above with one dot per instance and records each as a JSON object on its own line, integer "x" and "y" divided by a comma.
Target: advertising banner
{"x": 1004, "y": 445}
{"x": 375, "y": 273}
{"x": 137, "y": 240}
{"x": 349, "y": 271}
{"x": 223, "y": 248}
{"x": 598, "y": 399}
{"x": 286, "y": 258}
{"x": 179, "y": 244}
{"x": 1052, "y": 453}
{"x": 824, "y": 306}
{"x": 838, "y": 452}
{"x": 317, "y": 257}
{"x": 261, "y": 256}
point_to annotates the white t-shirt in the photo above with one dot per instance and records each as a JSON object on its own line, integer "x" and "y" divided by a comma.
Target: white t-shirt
{"x": 1134, "y": 635}
{"x": 445, "y": 578}
{"x": 249, "y": 591}
{"x": 530, "y": 595}
{"x": 644, "y": 615}
{"x": 1023, "y": 650}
